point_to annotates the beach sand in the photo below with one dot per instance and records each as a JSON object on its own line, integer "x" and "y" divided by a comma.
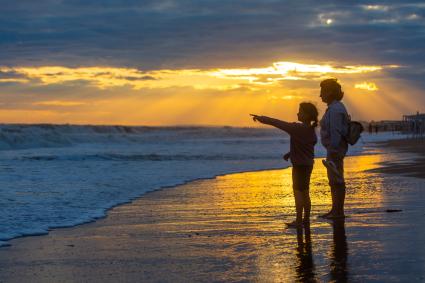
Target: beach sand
{"x": 413, "y": 164}
{"x": 232, "y": 228}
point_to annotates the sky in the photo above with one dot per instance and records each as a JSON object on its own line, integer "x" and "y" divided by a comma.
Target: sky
{"x": 206, "y": 62}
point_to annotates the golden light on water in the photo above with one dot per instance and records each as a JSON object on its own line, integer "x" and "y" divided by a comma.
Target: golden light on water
{"x": 240, "y": 218}
{"x": 260, "y": 203}
{"x": 273, "y": 189}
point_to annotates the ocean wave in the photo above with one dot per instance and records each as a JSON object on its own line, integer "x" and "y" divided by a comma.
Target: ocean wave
{"x": 20, "y": 136}
{"x": 144, "y": 157}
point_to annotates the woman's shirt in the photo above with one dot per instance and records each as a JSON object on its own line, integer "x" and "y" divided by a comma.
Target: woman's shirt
{"x": 302, "y": 140}
{"x": 334, "y": 127}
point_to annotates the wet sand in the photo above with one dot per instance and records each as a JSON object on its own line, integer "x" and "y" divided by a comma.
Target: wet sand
{"x": 231, "y": 228}
{"x": 412, "y": 164}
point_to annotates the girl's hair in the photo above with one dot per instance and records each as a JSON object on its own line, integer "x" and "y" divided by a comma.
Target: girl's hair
{"x": 311, "y": 111}
{"x": 333, "y": 87}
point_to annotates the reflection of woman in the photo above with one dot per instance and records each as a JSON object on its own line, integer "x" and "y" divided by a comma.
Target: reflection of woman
{"x": 339, "y": 252}
{"x": 333, "y": 129}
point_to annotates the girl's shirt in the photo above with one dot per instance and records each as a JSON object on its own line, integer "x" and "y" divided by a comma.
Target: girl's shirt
{"x": 302, "y": 139}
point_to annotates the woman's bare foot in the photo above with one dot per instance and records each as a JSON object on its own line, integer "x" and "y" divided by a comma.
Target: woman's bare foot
{"x": 335, "y": 216}
{"x": 326, "y": 215}
{"x": 294, "y": 224}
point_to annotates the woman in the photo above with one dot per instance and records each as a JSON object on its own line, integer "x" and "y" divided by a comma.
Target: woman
{"x": 333, "y": 130}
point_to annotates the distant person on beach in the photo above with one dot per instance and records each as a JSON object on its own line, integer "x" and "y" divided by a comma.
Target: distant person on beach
{"x": 302, "y": 141}
{"x": 333, "y": 130}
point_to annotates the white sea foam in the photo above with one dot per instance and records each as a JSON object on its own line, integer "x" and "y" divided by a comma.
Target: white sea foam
{"x": 63, "y": 175}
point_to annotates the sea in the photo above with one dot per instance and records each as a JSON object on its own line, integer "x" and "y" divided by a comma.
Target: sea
{"x": 54, "y": 176}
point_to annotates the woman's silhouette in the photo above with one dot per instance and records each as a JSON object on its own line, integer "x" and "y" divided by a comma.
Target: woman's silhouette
{"x": 333, "y": 130}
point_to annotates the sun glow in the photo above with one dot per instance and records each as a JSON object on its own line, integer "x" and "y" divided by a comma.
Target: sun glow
{"x": 220, "y": 79}
{"x": 383, "y": 8}
{"x": 109, "y": 95}
{"x": 366, "y": 86}
{"x": 59, "y": 103}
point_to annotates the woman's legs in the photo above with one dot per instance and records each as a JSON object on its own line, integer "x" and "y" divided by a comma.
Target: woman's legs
{"x": 340, "y": 201}
{"x": 337, "y": 184}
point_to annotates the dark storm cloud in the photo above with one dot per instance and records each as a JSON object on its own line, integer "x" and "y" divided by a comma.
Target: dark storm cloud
{"x": 162, "y": 34}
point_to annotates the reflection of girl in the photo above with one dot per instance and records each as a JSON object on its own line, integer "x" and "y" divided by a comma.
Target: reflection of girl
{"x": 333, "y": 130}
{"x": 303, "y": 139}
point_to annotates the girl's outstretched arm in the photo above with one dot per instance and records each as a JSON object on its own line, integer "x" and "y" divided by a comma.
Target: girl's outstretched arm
{"x": 285, "y": 126}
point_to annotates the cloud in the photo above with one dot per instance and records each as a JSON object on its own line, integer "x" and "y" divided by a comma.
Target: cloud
{"x": 59, "y": 103}
{"x": 111, "y": 77}
{"x": 210, "y": 45}
{"x": 188, "y": 34}
{"x": 194, "y": 34}
{"x": 381, "y": 8}
{"x": 366, "y": 86}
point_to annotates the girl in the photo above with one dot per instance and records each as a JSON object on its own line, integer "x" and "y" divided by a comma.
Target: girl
{"x": 302, "y": 141}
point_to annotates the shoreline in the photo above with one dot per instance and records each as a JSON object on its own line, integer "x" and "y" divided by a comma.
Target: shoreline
{"x": 106, "y": 210}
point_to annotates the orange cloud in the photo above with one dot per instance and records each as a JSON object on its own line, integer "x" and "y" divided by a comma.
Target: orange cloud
{"x": 219, "y": 79}
{"x": 366, "y": 86}
{"x": 59, "y": 103}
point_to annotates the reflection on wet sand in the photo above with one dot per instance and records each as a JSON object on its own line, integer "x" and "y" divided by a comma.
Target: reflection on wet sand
{"x": 339, "y": 254}
{"x": 230, "y": 228}
{"x": 305, "y": 266}
{"x": 338, "y": 250}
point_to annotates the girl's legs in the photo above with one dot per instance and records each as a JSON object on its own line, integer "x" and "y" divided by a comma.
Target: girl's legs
{"x": 306, "y": 205}
{"x": 298, "y": 222}
{"x": 297, "y": 177}
{"x": 301, "y": 181}
{"x": 299, "y": 205}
